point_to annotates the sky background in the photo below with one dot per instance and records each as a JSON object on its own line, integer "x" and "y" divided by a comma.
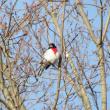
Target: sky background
{"x": 69, "y": 34}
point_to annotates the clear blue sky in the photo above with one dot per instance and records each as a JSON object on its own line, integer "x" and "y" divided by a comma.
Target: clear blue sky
{"x": 91, "y": 11}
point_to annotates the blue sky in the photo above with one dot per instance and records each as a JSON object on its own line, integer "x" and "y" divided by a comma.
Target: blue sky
{"x": 81, "y": 43}
{"x": 92, "y": 13}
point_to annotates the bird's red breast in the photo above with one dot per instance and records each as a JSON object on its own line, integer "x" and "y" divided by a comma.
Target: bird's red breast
{"x": 54, "y": 50}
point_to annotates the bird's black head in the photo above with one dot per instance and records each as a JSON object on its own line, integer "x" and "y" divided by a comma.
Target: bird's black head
{"x": 52, "y": 45}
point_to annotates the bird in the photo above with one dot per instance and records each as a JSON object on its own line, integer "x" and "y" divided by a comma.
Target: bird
{"x": 50, "y": 57}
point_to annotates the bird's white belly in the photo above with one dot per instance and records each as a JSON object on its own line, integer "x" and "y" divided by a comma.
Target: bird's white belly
{"x": 50, "y": 56}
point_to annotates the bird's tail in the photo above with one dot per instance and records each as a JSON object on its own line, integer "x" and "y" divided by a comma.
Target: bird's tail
{"x": 39, "y": 73}
{"x": 41, "y": 70}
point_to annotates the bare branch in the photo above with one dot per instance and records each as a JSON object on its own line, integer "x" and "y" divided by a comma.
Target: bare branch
{"x": 86, "y": 21}
{"x": 106, "y": 26}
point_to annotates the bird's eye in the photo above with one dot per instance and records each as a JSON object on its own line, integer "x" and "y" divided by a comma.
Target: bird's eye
{"x": 52, "y": 46}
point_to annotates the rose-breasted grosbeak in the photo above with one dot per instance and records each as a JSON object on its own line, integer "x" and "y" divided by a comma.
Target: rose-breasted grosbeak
{"x": 50, "y": 57}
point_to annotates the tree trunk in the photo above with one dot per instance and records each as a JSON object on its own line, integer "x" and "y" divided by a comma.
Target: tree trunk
{"x": 102, "y": 76}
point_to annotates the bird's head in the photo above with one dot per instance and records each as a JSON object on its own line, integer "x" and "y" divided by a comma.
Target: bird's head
{"x": 52, "y": 45}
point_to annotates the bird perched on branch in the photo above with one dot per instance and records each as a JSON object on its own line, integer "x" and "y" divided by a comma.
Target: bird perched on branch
{"x": 50, "y": 57}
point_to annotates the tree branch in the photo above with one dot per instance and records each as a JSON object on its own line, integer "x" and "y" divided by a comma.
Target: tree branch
{"x": 82, "y": 92}
{"x": 5, "y": 104}
{"x": 58, "y": 89}
{"x": 106, "y": 26}
{"x": 86, "y": 21}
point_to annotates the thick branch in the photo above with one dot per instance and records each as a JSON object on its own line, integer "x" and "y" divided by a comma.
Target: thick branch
{"x": 86, "y": 21}
{"x": 82, "y": 92}
{"x": 5, "y": 104}
{"x": 58, "y": 90}
{"x": 102, "y": 77}
{"x": 106, "y": 27}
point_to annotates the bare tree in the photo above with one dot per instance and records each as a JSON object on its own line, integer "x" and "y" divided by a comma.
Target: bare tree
{"x": 81, "y": 32}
